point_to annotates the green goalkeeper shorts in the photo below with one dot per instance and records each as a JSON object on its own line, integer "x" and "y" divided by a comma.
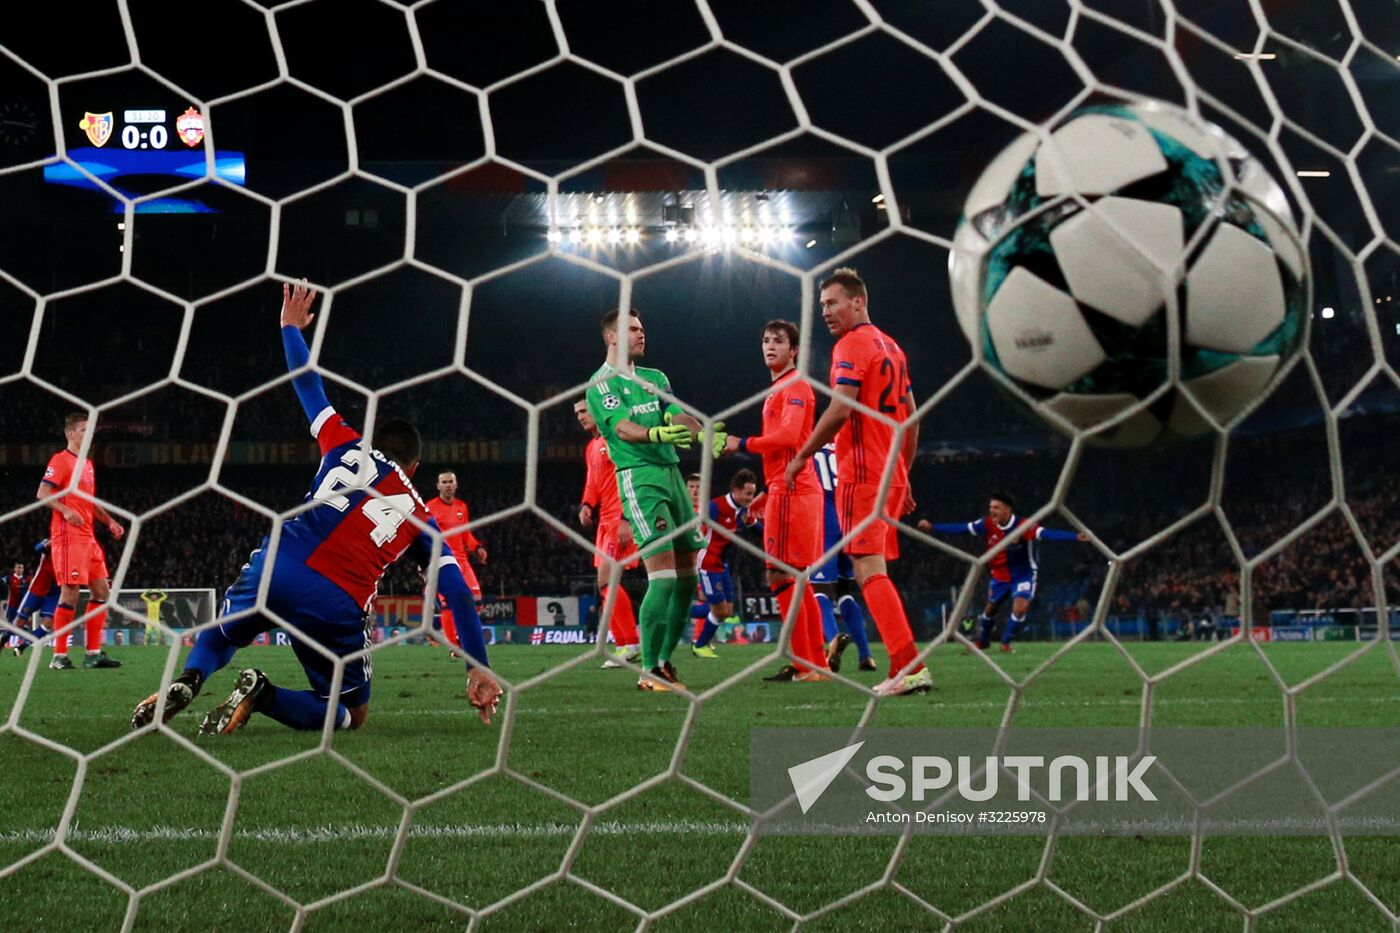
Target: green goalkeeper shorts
{"x": 655, "y": 502}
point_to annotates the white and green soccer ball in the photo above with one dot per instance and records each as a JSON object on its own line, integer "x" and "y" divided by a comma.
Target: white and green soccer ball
{"x": 1065, "y": 260}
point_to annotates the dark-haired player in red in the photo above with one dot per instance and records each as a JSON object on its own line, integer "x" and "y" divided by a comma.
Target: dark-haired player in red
{"x": 601, "y": 506}
{"x": 329, "y": 561}
{"x": 451, "y": 512}
{"x": 868, "y": 367}
{"x": 792, "y": 529}
{"x": 78, "y": 560}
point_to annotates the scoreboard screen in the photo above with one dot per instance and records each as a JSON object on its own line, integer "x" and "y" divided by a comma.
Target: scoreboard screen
{"x": 141, "y": 150}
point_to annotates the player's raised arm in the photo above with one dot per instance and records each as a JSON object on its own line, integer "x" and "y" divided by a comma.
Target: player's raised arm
{"x": 1055, "y": 534}
{"x": 953, "y": 528}
{"x": 296, "y": 315}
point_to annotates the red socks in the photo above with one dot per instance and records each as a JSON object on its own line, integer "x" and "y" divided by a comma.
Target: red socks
{"x": 62, "y": 616}
{"x": 95, "y": 624}
{"x": 888, "y": 610}
{"x": 808, "y": 648}
{"x": 623, "y": 623}
{"x": 449, "y": 628}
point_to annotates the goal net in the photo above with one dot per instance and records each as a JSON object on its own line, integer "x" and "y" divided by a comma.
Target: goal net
{"x": 471, "y": 187}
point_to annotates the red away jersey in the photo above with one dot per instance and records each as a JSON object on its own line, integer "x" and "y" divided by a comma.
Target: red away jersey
{"x": 788, "y": 415}
{"x": 869, "y": 360}
{"x": 451, "y": 516}
{"x": 600, "y": 483}
{"x": 58, "y": 475}
{"x": 729, "y": 515}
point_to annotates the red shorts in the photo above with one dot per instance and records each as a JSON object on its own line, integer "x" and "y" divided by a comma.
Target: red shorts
{"x": 792, "y": 528}
{"x": 77, "y": 559}
{"x": 608, "y": 546}
{"x": 469, "y": 574}
{"x": 855, "y": 503}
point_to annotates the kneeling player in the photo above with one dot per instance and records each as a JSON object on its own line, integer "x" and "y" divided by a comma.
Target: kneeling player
{"x": 329, "y": 561}
{"x": 792, "y": 519}
{"x": 716, "y": 580}
{"x": 1014, "y": 570}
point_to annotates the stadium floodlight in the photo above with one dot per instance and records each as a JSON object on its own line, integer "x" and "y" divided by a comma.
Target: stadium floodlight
{"x": 671, "y": 235}
{"x": 746, "y": 235}
{"x": 595, "y": 237}
{"x": 1314, "y": 173}
{"x": 689, "y": 235}
{"x": 576, "y": 236}
{"x": 633, "y": 236}
{"x": 614, "y": 236}
{"x": 1329, "y": 313}
{"x": 554, "y": 236}
{"x": 811, "y": 243}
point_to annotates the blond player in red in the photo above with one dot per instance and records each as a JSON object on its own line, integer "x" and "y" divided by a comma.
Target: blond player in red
{"x": 451, "y": 513}
{"x": 792, "y": 529}
{"x": 68, "y": 487}
{"x": 868, "y": 367}
{"x": 602, "y": 505}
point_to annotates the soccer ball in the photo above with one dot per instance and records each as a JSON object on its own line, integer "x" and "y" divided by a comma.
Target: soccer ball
{"x": 1067, "y": 255}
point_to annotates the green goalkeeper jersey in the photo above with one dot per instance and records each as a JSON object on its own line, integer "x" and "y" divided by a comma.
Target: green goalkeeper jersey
{"x": 613, "y": 397}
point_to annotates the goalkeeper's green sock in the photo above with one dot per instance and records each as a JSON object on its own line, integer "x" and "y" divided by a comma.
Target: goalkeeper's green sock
{"x": 654, "y": 616}
{"x": 680, "y": 612}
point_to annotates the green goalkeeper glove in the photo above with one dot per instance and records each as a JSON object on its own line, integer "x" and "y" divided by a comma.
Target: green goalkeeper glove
{"x": 676, "y": 434}
{"x": 717, "y": 437}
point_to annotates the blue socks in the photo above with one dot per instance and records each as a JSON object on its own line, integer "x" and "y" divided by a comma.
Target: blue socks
{"x": 708, "y": 632}
{"x": 828, "y": 617}
{"x": 212, "y": 652}
{"x": 301, "y": 709}
{"x": 984, "y": 628}
{"x": 854, "y": 621}
{"x": 1012, "y": 624}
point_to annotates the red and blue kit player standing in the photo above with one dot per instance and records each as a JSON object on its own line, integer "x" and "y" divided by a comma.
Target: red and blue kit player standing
{"x": 327, "y": 568}
{"x": 869, "y": 368}
{"x": 15, "y": 586}
{"x": 601, "y": 506}
{"x": 40, "y": 601}
{"x": 68, "y": 488}
{"x": 451, "y": 513}
{"x": 835, "y": 577}
{"x": 792, "y": 521}
{"x": 1014, "y": 570}
{"x": 716, "y": 582}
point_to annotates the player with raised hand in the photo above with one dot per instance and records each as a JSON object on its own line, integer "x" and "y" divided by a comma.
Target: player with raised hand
{"x": 601, "y": 507}
{"x": 643, "y": 431}
{"x": 329, "y": 561}
{"x": 77, "y": 557}
{"x": 792, "y": 531}
{"x": 451, "y": 513}
{"x": 869, "y": 368}
{"x": 1014, "y": 570}
{"x": 729, "y": 511}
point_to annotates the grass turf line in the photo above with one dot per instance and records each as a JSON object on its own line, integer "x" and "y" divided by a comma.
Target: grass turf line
{"x": 149, "y": 809}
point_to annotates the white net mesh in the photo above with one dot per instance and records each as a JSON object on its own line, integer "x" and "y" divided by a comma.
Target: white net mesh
{"x": 1307, "y": 89}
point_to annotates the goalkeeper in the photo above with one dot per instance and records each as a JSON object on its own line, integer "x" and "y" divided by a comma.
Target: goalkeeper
{"x": 642, "y": 431}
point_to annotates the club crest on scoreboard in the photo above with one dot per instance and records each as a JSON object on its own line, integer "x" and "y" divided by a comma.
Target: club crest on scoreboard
{"x": 189, "y": 126}
{"x": 98, "y": 127}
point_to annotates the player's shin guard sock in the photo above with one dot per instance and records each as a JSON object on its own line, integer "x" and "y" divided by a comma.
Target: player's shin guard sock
{"x": 212, "y": 651}
{"x": 984, "y": 628}
{"x": 93, "y": 631}
{"x": 854, "y": 619}
{"x": 449, "y": 628}
{"x": 888, "y": 610}
{"x": 1012, "y": 624}
{"x": 301, "y": 709}
{"x": 680, "y": 613}
{"x": 62, "y": 616}
{"x": 655, "y": 615}
{"x": 828, "y": 617}
{"x": 811, "y": 619}
{"x": 623, "y": 623}
{"x": 799, "y": 642}
{"x": 707, "y": 631}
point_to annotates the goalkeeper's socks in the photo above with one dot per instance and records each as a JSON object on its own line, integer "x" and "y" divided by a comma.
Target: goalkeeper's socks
{"x": 212, "y": 652}
{"x": 854, "y": 619}
{"x": 984, "y": 629}
{"x": 1012, "y": 625}
{"x": 654, "y": 616}
{"x": 300, "y": 709}
{"x": 680, "y": 612}
{"x": 828, "y": 617}
{"x": 707, "y": 632}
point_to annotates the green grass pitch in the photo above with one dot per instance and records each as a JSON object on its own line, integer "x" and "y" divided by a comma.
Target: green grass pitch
{"x": 317, "y": 826}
